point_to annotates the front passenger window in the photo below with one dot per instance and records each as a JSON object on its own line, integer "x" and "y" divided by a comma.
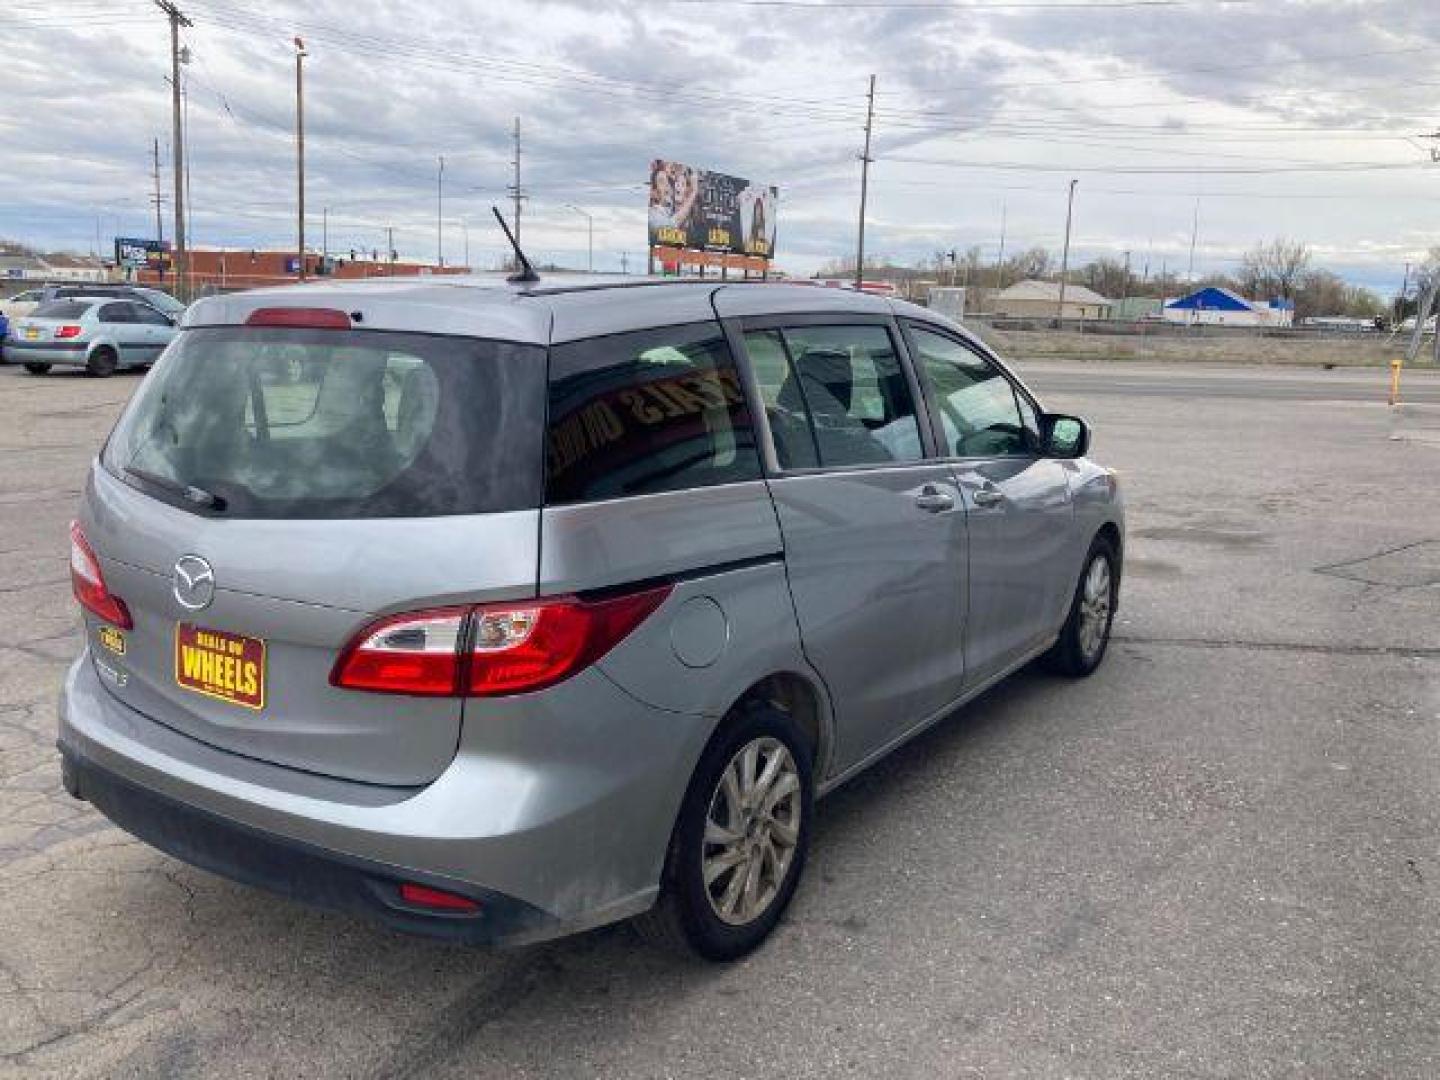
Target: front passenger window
{"x": 979, "y": 411}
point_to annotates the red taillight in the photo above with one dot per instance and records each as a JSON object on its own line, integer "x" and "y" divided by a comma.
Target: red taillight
{"x": 439, "y": 899}
{"x": 67, "y": 331}
{"x": 305, "y": 318}
{"x": 490, "y": 649}
{"x": 88, "y": 583}
{"x": 406, "y": 654}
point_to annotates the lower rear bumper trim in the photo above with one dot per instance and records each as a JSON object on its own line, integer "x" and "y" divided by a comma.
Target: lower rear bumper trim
{"x": 295, "y": 869}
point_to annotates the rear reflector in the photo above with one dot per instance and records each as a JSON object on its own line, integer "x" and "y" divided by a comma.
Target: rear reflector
{"x": 439, "y": 899}
{"x": 305, "y": 318}
{"x": 490, "y": 649}
{"x": 88, "y": 583}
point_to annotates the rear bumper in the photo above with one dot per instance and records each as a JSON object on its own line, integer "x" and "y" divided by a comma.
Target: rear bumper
{"x": 296, "y": 870}
{"x": 559, "y": 815}
{"x": 44, "y": 352}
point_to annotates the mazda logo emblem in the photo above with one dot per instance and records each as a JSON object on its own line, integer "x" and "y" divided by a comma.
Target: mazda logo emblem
{"x": 194, "y": 584}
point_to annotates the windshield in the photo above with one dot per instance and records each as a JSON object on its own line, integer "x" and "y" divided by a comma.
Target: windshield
{"x": 161, "y": 302}
{"x": 284, "y": 423}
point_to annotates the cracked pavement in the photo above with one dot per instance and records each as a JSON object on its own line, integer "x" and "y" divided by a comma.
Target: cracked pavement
{"x": 1217, "y": 857}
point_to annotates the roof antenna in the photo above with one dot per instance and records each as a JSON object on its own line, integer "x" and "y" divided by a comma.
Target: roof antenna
{"x": 526, "y": 273}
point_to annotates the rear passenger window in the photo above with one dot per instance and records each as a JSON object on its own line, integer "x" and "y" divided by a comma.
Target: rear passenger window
{"x": 835, "y": 396}
{"x": 634, "y": 414}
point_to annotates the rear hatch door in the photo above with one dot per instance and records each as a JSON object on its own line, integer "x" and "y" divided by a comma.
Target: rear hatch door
{"x": 270, "y": 492}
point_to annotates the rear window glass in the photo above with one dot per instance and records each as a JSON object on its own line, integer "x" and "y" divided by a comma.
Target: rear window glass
{"x": 62, "y": 309}
{"x": 274, "y": 423}
{"x": 634, "y": 414}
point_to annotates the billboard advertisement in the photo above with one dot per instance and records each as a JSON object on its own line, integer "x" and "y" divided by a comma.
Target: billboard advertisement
{"x": 133, "y": 253}
{"x": 710, "y": 211}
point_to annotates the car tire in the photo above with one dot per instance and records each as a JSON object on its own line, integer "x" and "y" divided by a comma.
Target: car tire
{"x": 102, "y": 362}
{"x": 38, "y": 369}
{"x": 766, "y": 844}
{"x": 1086, "y": 634}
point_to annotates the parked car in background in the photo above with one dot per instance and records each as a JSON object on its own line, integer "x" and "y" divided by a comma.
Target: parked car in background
{"x": 26, "y": 302}
{"x": 4, "y": 330}
{"x": 159, "y": 299}
{"x": 22, "y": 303}
{"x": 99, "y": 334}
{"x": 503, "y": 611}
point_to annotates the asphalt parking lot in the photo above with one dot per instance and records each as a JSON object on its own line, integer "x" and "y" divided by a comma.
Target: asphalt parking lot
{"x": 1220, "y": 856}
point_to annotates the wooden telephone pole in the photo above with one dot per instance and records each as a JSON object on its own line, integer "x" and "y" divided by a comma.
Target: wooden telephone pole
{"x": 865, "y": 160}
{"x": 177, "y": 19}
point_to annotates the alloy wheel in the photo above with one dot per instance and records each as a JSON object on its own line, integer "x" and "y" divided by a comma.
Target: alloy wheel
{"x": 1095, "y": 606}
{"x": 751, "y": 831}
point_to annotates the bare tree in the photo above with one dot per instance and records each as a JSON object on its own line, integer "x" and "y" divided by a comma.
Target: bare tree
{"x": 1274, "y": 269}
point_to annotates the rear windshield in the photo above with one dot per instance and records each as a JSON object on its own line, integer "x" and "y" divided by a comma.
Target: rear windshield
{"x": 284, "y": 423}
{"x": 62, "y": 309}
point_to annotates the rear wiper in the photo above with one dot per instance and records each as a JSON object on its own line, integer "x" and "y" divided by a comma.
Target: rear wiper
{"x": 189, "y": 492}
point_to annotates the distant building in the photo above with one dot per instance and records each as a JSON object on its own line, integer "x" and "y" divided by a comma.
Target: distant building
{"x": 223, "y": 270}
{"x": 1135, "y": 308}
{"x": 1041, "y": 300}
{"x": 1216, "y": 306}
{"x": 73, "y": 268}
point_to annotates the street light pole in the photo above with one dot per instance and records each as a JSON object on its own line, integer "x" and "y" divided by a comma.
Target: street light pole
{"x": 300, "y": 153}
{"x": 440, "y": 215}
{"x": 590, "y": 232}
{"x": 1065, "y": 255}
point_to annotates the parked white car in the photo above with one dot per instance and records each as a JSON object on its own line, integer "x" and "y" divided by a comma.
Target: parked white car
{"x": 98, "y": 334}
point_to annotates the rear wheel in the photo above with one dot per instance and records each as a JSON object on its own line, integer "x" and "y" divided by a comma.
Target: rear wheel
{"x": 1082, "y": 642}
{"x": 37, "y": 369}
{"x": 102, "y": 362}
{"x": 740, "y": 842}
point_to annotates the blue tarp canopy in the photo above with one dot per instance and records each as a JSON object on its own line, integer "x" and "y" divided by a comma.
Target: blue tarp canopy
{"x": 1210, "y": 298}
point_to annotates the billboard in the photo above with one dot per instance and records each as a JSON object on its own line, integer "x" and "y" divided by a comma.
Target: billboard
{"x": 133, "y": 253}
{"x": 710, "y": 211}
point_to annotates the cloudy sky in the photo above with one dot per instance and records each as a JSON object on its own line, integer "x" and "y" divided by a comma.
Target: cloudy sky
{"x": 1296, "y": 118}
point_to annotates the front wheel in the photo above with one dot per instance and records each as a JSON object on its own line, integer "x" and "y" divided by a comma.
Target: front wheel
{"x": 739, "y": 845}
{"x": 1086, "y": 633}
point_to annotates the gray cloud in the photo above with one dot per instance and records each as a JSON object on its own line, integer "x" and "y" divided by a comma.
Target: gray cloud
{"x": 773, "y": 93}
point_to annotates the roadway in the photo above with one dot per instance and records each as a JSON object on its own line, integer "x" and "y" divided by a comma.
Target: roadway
{"x": 1185, "y": 381}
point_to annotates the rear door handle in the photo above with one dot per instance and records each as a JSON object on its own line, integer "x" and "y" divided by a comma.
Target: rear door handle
{"x": 988, "y": 497}
{"x": 934, "y": 500}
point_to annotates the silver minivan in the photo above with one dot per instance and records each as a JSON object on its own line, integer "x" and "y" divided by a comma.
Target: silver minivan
{"x": 499, "y": 610}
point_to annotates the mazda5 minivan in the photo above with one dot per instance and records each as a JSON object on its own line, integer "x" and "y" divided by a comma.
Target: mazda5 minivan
{"x": 501, "y": 610}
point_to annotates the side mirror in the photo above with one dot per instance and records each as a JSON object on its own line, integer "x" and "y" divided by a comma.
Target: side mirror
{"x": 1066, "y": 436}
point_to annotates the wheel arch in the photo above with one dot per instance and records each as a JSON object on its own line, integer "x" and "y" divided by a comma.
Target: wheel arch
{"x": 803, "y": 699}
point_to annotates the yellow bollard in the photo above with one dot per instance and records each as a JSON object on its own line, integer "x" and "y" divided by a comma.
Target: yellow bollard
{"x": 1395, "y": 381}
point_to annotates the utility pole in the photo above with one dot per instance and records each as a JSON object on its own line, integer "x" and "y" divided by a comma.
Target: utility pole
{"x": 624, "y": 262}
{"x": 1194, "y": 233}
{"x": 590, "y": 230}
{"x": 865, "y": 160}
{"x": 324, "y": 238}
{"x": 1127, "y": 274}
{"x": 177, "y": 19}
{"x": 515, "y": 191}
{"x": 465, "y": 231}
{"x": 440, "y": 215}
{"x": 1000, "y": 259}
{"x": 300, "y": 152}
{"x": 1065, "y": 253}
{"x": 158, "y": 199}
{"x": 390, "y": 247}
